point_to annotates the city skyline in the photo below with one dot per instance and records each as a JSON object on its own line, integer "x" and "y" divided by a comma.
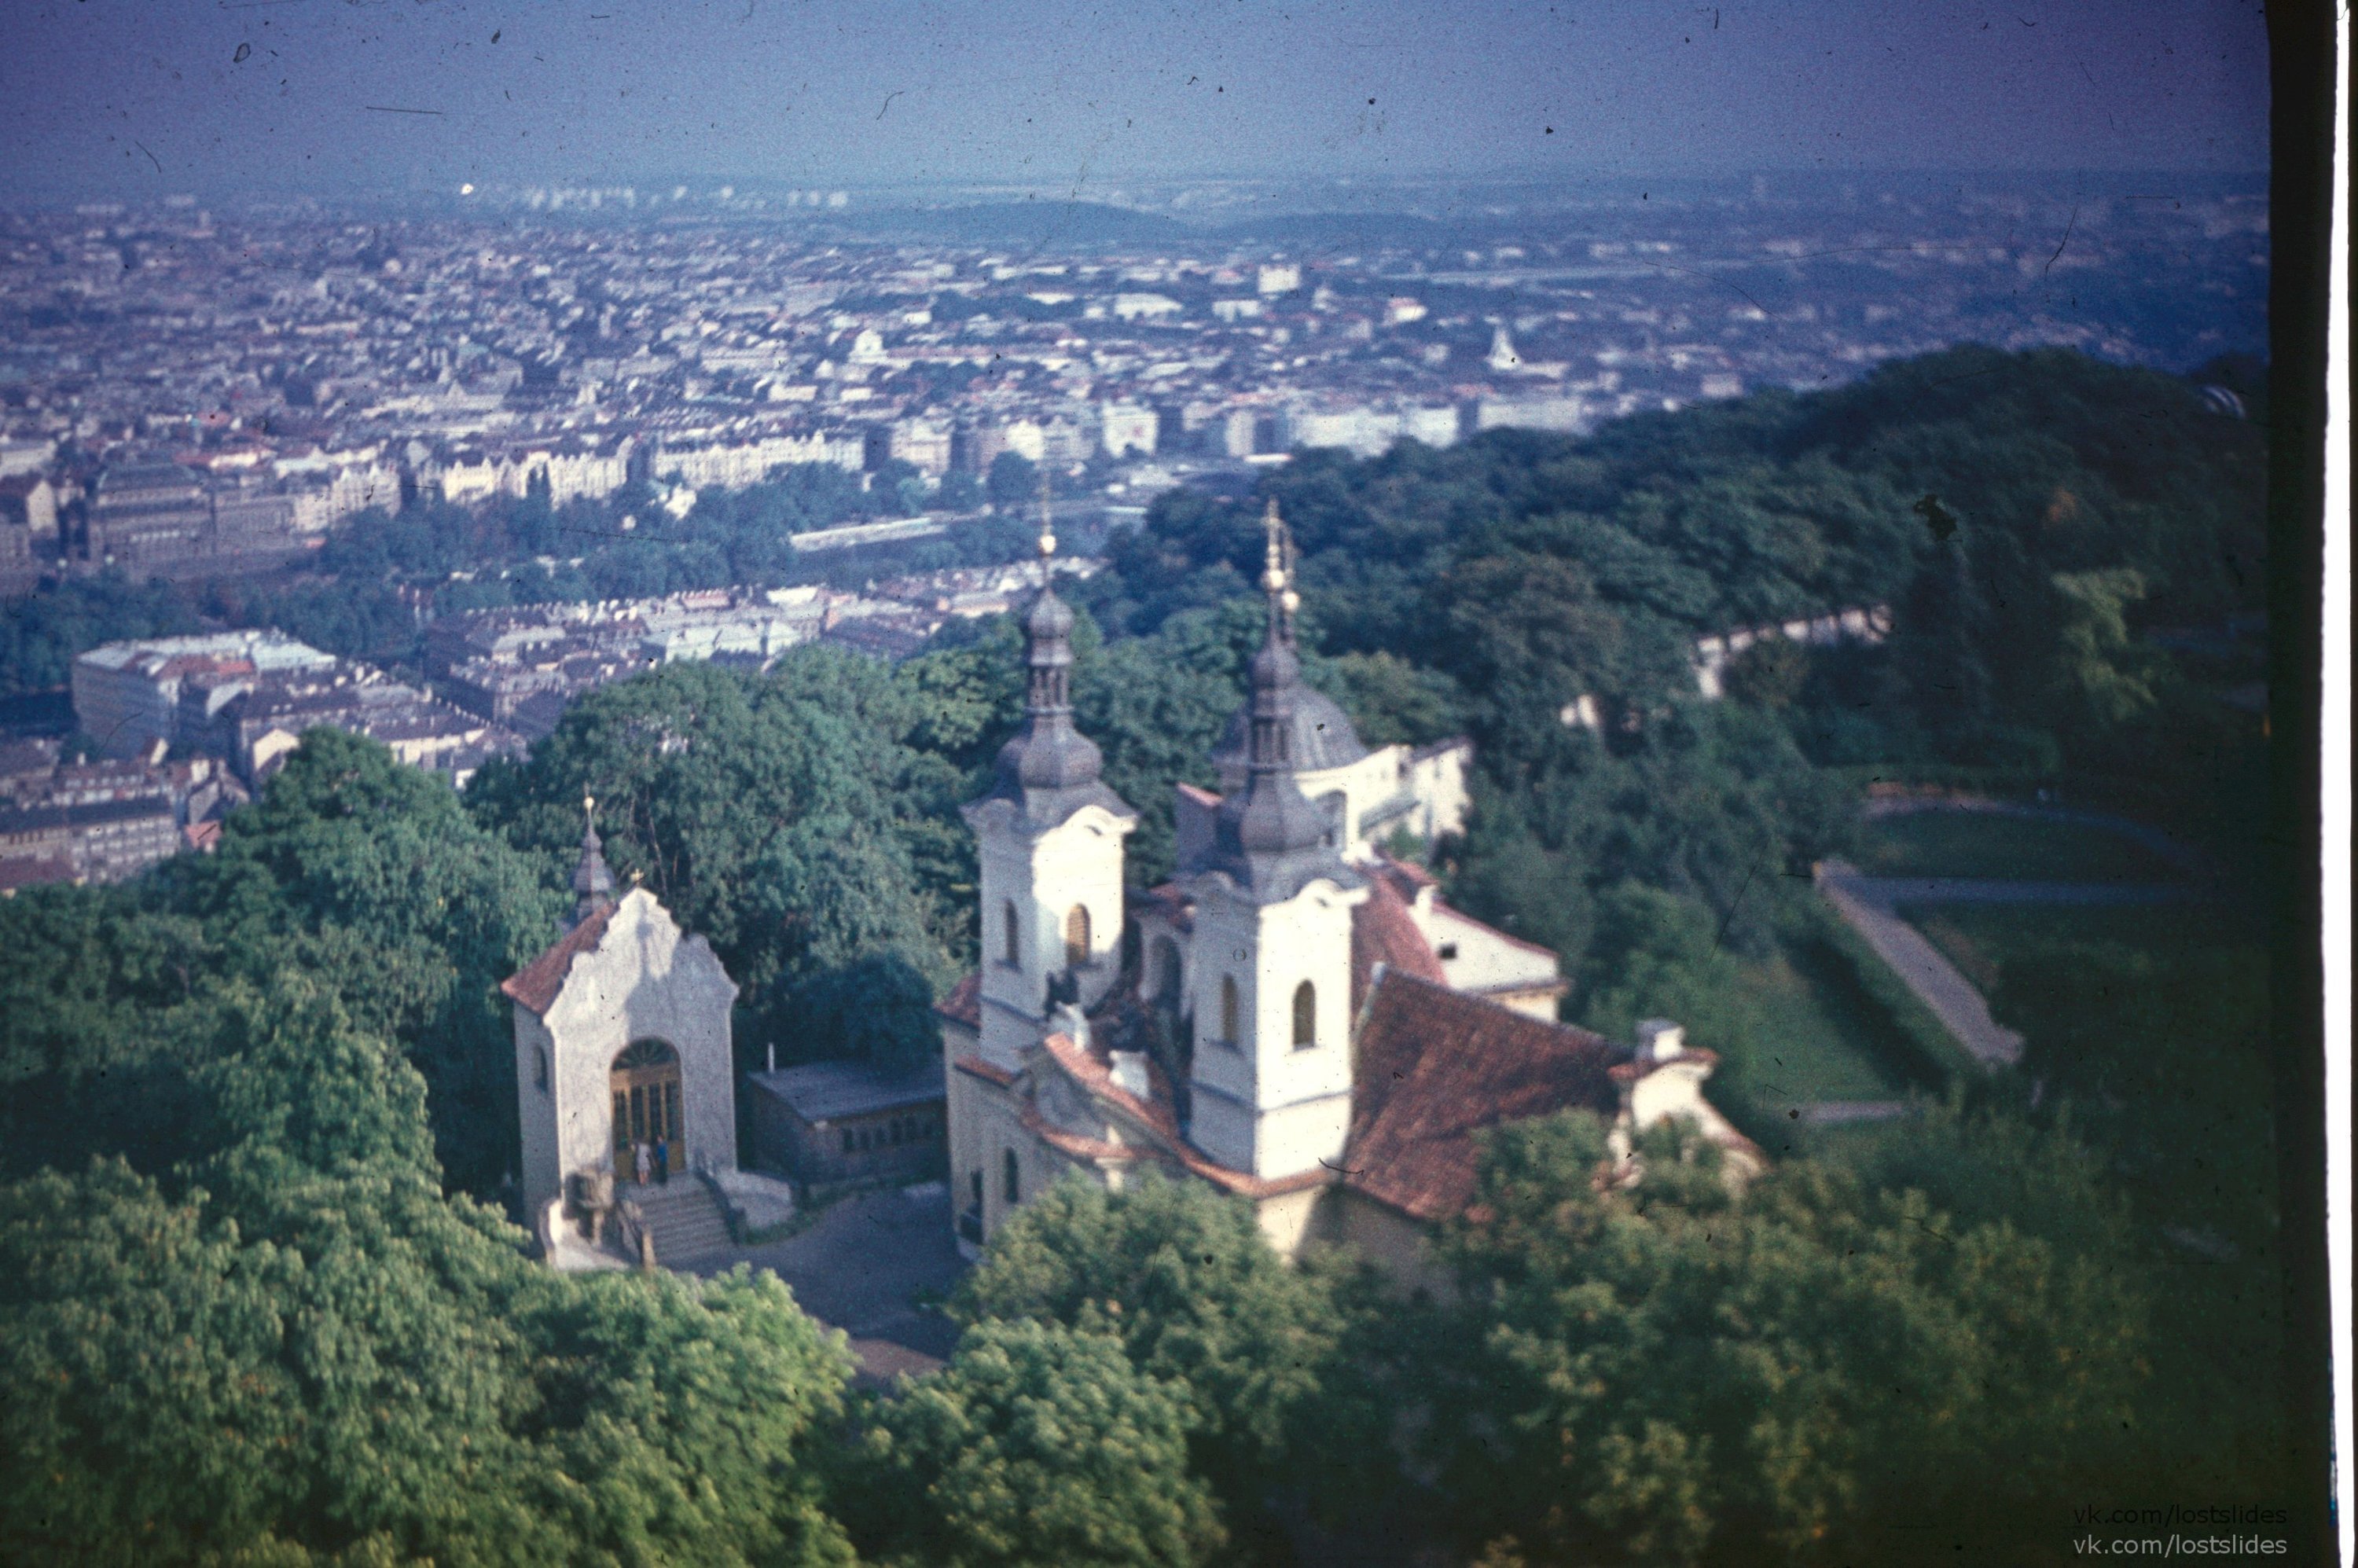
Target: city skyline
{"x": 281, "y": 97}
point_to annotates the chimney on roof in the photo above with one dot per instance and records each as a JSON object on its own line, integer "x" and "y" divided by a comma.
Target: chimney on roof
{"x": 1658, "y": 1040}
{"x": 1129, "y": 1071}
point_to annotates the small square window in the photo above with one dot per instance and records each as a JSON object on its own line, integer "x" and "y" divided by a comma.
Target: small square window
{"x": 1448, "y": 952}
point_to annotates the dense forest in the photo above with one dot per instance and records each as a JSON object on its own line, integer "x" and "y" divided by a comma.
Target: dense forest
{"x": 265, "y": 1307}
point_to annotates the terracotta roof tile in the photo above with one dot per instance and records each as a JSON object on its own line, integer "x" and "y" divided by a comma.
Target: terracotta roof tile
{"x": 1436, "y": 1067}
{"x": 988, "y": 1072}
{"x": 538, "y": 983}
{"x": 1405, "y": 875}
{"x": 1171, "y": 905}
{"x": 964, "y": 1005}
{"x": 1383, "y": 932}
{"x": 1153, "y": 1115}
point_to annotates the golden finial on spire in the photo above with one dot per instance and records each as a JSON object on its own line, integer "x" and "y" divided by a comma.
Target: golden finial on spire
{"x": 1273, "y": 577}
{"x": 1047, "y": 523}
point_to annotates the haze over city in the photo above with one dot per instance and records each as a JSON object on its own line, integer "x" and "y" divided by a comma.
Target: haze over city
{"x": 1065, "y": 99}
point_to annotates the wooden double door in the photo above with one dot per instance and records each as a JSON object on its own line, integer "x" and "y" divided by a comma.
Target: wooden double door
{"x": 645, "y": 1085}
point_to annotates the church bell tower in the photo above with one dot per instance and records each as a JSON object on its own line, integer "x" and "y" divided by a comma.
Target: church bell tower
{"x": 1270, "y": 1078}
{"x": 1049, "y": 835}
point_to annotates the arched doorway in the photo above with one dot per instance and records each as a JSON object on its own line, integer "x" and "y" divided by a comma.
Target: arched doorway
{"x": 645, "y": 1084}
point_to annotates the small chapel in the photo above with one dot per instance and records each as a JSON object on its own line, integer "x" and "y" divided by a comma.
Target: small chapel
{"x": 1296, "y": 1016}
{"x": 624, "y": 1065}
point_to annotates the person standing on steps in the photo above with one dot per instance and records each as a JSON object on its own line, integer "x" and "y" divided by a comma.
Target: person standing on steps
{"x": 663, "y": 1162}
{"x": 642, "y": 1162}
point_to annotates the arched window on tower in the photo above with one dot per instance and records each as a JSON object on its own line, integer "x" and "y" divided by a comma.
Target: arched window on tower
{"x": 1228, "y": 1008}
{"x": 1076, "y": 937}
{"x": 1012, "y": 951}
{"x": 1306, "y": 1016}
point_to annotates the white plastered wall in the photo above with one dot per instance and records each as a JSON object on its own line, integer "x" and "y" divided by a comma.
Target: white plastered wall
{"x": 541, "y": 1173}
{"x": 644, "y": 980}
{"x": 1043, "y": 876}
{"x": 1487, "y": 961}
{"x": 1262, "y": 1105}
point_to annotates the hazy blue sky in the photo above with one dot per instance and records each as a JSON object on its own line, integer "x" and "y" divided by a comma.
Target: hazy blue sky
{"x": 172, "y": 95}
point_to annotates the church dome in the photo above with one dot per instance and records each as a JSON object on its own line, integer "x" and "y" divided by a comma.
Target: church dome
{"x": 1323, "y": 736}
{"x": 1049, "y": 618}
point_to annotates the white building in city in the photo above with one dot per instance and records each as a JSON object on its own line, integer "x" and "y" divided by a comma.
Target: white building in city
{"x": 1127, "y": 429}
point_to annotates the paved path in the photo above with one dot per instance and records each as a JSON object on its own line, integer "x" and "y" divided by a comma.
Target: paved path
{"x": 1936, "y": 982}
{"x": 861, "y": 1267}
{"x": 1842, "y": 1112}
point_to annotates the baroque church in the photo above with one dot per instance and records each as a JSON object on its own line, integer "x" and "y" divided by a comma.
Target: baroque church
{"x": 1296, "y": 1017}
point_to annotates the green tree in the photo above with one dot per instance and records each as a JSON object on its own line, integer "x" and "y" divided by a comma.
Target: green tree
{"x": 1014, "y": 480}
{"x": 1037, "y": 1445}
{"x": 1392, "y": 700}
{"x": 357, "y": 868}
{"x": 1648, "y": 1373}
{"x": 1773, "y": 673}
{"x": 311, "y": 1350}
{"x": 1184, "y": 1278}
{"x": 960, "y": 492}
{"x": 2099, "y": 672}
{"x": 781, "y": 817}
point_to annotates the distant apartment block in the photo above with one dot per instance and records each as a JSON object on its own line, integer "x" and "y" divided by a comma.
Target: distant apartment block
{"x": 1127, "y": 429}
{"x": 1279, "y": 279}
{"x": 167, "y": 519}
{"x": 101, "y": 822}
{"x": 1565, "y": 415}
{"x": 1368, "y": 432}
{"x": 127, "y": 695}
{"x": 248, "y": 697}
{"x": 733, "y": 466}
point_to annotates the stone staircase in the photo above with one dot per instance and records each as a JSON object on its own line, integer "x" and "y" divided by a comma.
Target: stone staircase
{"x": 683, "y": 1218}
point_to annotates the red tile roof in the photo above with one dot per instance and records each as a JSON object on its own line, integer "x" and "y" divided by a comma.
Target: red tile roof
{"x": 1436, "y": 1067}
{"x": 1171, "y": 905}
{"x": 1199, "y": 795}
{"x": 1405, "y": 875}
{"x": 1094, "y": 1074}
{"x": 988, "y": 1072}
{"x": 964, "y": 1005}
{"x": 538, "y": 983}
{"x": 1384, "y": 931}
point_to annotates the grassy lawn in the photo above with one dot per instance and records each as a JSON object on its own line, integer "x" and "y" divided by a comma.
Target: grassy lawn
{"x": 1982, "y": 844}
{"x": 1810, "y": 1043}
{"x": 1980, "y": 938}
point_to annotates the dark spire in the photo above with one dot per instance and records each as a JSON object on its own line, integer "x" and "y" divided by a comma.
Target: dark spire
{"x": 594, "y": 885}
{"x": 1269, "y": 837}
{"x": 1050, "y": 769}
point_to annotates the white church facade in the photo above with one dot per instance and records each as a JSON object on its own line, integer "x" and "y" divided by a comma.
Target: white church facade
{"x": 1297, "y": 1017}
{"x": 622, "y": 1050}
